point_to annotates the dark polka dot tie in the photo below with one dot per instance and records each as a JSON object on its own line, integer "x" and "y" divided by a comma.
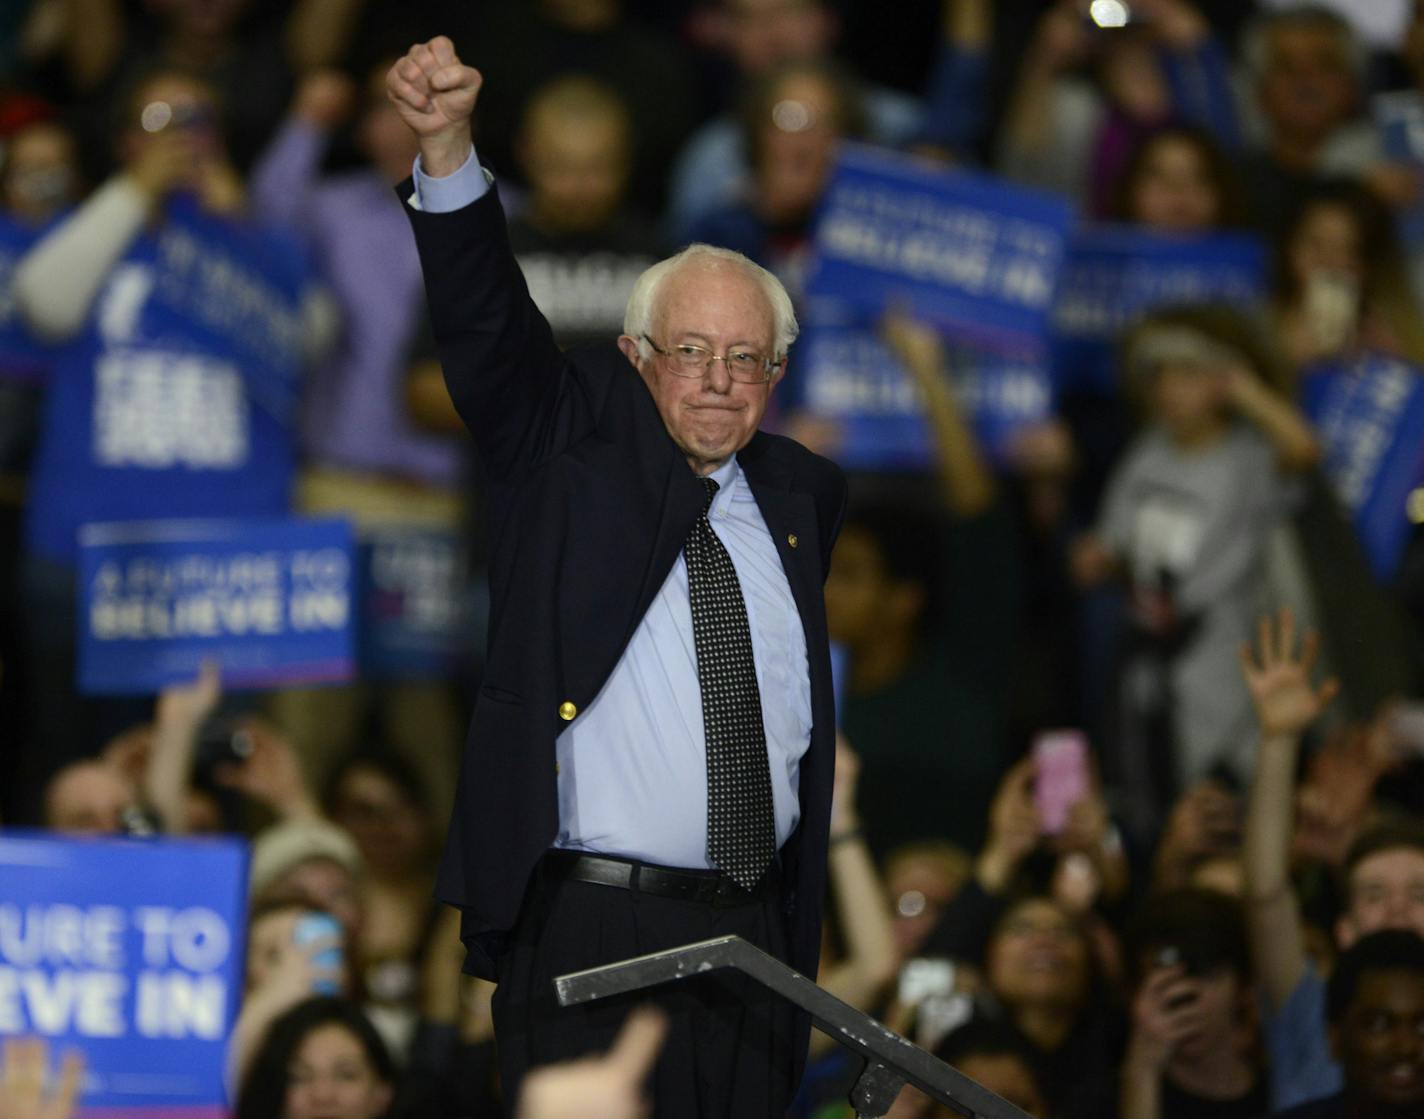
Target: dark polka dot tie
{"x": 741, "y": 826}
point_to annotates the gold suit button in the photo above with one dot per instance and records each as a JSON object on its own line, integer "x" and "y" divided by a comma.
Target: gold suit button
{"x": 567, "y": 711}
{"x": 792, "y": 540}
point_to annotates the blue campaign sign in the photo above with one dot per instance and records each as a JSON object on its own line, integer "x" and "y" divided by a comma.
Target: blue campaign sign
{"x": 1116, "y": 274}
{"x": 1399, "y": 117}
{"x": 1370, "y": 415}
{"x": 270, "y": 600}
{"x": 851, "y": 378}
{"x": 971, "y": 253}
{"x": 415, "y": 606}
{"x": 130, "y": 951}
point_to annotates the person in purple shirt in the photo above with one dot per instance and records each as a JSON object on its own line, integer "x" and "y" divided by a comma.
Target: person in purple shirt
{"x": 366, "y": 456}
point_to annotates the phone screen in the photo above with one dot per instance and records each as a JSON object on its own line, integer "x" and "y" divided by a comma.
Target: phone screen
{"x": 1061, "y": 775}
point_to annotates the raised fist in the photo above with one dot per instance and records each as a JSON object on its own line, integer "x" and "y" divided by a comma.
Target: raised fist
{"x": 435, "y": 93}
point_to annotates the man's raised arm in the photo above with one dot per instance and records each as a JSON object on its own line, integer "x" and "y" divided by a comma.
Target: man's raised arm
{"x": 503, "y": 369}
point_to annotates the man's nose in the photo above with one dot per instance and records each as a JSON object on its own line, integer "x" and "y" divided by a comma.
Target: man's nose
{"x": 716, "y": 377}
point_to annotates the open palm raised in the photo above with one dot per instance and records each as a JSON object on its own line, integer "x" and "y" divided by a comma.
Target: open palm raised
{"x": 1279, "y": 677}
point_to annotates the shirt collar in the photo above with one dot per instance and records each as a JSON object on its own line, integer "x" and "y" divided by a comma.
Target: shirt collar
{"x": 726, "y": 476}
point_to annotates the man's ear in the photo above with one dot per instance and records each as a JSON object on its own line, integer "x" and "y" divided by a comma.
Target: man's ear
{"x": 629, "y": 345}
{"x": 780, "y": 373}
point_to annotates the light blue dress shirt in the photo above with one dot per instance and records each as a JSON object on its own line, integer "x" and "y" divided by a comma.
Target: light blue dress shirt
{"x": 633, "y": 764}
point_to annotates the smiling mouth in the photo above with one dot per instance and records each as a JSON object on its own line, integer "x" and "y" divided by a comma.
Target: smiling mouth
{"x": 1402, "y": 1073}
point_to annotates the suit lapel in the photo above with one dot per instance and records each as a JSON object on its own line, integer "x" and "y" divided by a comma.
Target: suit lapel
{"x": 681, "y": 504}
{"x": 790, "y": 516}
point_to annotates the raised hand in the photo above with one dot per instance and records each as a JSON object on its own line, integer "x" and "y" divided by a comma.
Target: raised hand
{"x": 325, "y": 98}
{"x": 271, "y": 773}
{"x": 26, "y": 1090}
{"x": 917, "y": 344}
{"x": 1165, "y": 1013}
{"x": 1205, "y": 821}
{"x": 1279, "y": 678}
{"x": 435, "y": 93}
{"x": 168, "y": 160}
{"x": 607, "y": 1087}
{"x": 1014, "y": 828}
{"x": 189, "y": 705}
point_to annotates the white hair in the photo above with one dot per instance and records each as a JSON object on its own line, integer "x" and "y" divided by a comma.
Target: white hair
{"x": 643, "y": 302}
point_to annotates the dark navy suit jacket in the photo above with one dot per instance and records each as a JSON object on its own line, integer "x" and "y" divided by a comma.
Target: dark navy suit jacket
{"x": 590, "y": 502}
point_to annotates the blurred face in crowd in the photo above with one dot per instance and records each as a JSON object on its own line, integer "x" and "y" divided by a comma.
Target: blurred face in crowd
{"x": 382, "y": 135}
{"x": 1306, "y": 88}
{"x": 174, "y": 102}
{"x": 1188, "y": 398}
{"x": 863, "y": 601}
{"x": 1326, "y": 243}
{"x": 331, "y": 1077}
{"x": 583, "y": 15}
{"x": 1386, "y": 892}
{"x": 919, "y": 889}
{"x": 41, "y": 174}
{"x": 1413, "y": 49}
{"x": 1038, "y": 957}
{"x": 1223, "y": 873}
{"x": 1173, "y": 191}
{"x": 796, "y": 148}
{"x": 390, "y": 830}
{"x": 718, "y": 306}
{"x": 327, "y": 884}
{"x": 1004, "y": 1074}
{"x": 201, "y": 18}
{"x": 88, "y": 798}
{"x": 765, "y": 33}
{"x": 1380, "y": 1043}
{"x": 1132, "y": 77}
{"x": 577, "y": 166}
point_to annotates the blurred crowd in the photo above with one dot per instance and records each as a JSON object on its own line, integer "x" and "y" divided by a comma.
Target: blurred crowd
{"x": 1207, "y": 898}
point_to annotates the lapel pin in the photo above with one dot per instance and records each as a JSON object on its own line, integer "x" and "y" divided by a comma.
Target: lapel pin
{"x": 791, "y": 539}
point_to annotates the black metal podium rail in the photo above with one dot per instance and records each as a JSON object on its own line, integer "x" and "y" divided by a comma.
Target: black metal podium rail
{"x": 891, "y": 1062}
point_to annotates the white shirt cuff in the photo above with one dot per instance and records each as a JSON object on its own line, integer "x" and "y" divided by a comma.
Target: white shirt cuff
{"x": 451, "y": 192}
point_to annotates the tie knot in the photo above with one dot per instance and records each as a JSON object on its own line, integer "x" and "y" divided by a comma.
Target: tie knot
{"x": 711, "y": 488}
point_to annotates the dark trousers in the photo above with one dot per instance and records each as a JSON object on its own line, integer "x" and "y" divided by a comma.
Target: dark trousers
{"x": 729, "y": 1045}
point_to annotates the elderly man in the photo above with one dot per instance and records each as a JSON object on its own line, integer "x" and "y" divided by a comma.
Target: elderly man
{"x": 651, "y": 753}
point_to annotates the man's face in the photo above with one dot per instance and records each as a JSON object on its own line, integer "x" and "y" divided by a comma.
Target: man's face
{"x": 718, "y": 306}
{"x": 1380, "y": 1043}
{"x": 169, "y": 103}
{"x": 88, "y": 798}
{"x": 765, "y": 33}
{"x": 41, "y": 173}
{"x": 797, "y": 151}
{"x": 1386, "y": 892}
{"x": 578, "y": 169}
{"x": 1307, "y": 89}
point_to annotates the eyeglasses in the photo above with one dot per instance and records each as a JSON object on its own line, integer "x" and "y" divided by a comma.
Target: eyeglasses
{"x": 746, "y": 366}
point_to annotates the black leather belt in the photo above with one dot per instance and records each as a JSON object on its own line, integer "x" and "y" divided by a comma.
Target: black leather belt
{"x": 710, "y": 887}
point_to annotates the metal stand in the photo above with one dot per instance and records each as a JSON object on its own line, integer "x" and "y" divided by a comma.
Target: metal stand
{"x": 891, "y": 1062}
